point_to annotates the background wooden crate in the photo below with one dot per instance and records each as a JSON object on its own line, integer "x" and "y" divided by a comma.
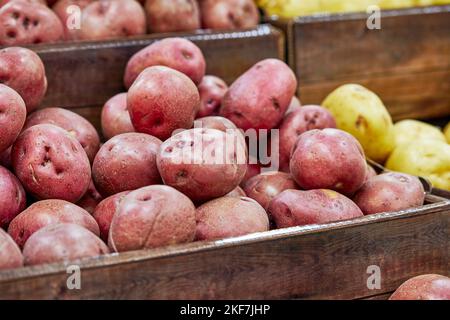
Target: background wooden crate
{"x": 407, "y": 62}
{"x": 82, "y": 76}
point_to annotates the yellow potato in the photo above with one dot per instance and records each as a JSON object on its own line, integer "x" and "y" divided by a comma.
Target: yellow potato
{"x": 289, "y": 8}
{"x": 407, "y": 131}
{"x": 360, "y": 112}
{"x": 395, "y": 4}
{"x": 427, "y": 158}
{"x": 447, "y": 132}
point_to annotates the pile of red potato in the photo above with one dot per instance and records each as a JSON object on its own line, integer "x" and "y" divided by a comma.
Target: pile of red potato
{"x": 41, "y": 21}
{"x": 156, "y": 180}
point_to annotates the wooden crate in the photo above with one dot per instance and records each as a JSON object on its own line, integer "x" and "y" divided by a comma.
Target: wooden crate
{"x": 327, "y": 261}
{"x": 83, "y": 75}
{"x": 406, "y": 62}
{"x": 319, "y": 261}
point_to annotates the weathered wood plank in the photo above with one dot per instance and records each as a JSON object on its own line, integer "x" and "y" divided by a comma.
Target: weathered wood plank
{"x": 83, "y": 74}
{"x": 406, "y": 62}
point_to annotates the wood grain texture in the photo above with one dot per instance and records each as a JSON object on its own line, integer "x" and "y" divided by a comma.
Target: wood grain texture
{"x": 406, "y": 62}
{"x": 312, "y": 262}
{"x": 82, "y": 74}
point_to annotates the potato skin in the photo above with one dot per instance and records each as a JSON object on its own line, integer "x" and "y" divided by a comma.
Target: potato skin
{"x": 409, "y": 131}
{"x": 253, "y": 169}
{"x": 390, "y": 192}
{"x": 229, "y": 14}
{"x": 12, "y": 116}
{"x": 10, "y": 254}
{"x": 176, "y": 53}
{"x": 161, "y": 117}
{"x": 414, "y": 159}
{"x": 236, "y": 192}
{"x": 126, "y": 162}
{"x": 259, "y": 98}
{"x": 51, "y": 163}
{"x": 328, "y": 159}
{"x": 43, "y": 213}
{"x": 370, "y": 173}
{"x": 297, "y": 208}
{"x": 212, "y": 89}
{"x": 28, "y": 22}
{"x": 13, "y": 199}
{"x": 424, "y": 287}
{"x": 5, "y": 158}
{"x": 297, "y": 122}
{"x": 115, "y": 117}
{"x": 22, "y": 70}
{"x": 265, "y": 186}
{"x": 91, "y": 199}
{"x": 228, "y": 217}
{"x": 62, "y": 243}
{"x": 104, "y": 19}
{"x": 73, "y": 123}
{"x": 152, "y": 217}
{"x": 104, "y": 213}
{"x": 186, "y": 162}
{"x": 3, "y": 2}
{"x": 60, "y": 9}
{"x": 215, "y": 122}
{"x": 172, "y": 15}
{"x": 361, "y": 112}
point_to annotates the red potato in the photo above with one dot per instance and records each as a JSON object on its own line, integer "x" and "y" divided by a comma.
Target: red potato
{"x": 3, "y": 2}
{"x": 236, "y": 192}
{"x": 76, "y": 125}
{"x": 22, "y": 70}
{"x": 265, "y": 186}
{"x": 214, "y": 122}
{"x": 424, "y": 287}
{"x": 370, "y": 173}
{"x": 212, "y": 90}
{"x": 218, "y": 123}
{"x": 328, "y": 159}
{"x": 13, "y": 199}
{"x": 229, "y": 217}
{"x": 12, "y": 116}
{"x": 152, "y": 217}
{"x": 5, "y": 158}
{"x": 104, "y": 212}
{"x": 25, "y": 22}
{"x": 252, "y": 170}
{"x": 115, "y": 117}
{"x": 47, "y": 212}
{"x": 229, "y": 14}
{"x": 203, "y": 163}
{"x": 91, "y": 199}
{"x": 162, "y": 100}
{"x": 61, "y": 8}
{"x": 176, "y": 53}
{"x": 297, "y": 208}
{"x": 388, "y": 192}
{"x": 62, "y": 243}
{"x": 172, "y": 15}
{"x": 105, "y": 19}
{"x": 10, "y": 254}
{"x": 51, "y": 163}
{"x": 294, "y": 105}
{"x": 297, "y": 122}
{"x": 126, "y": 162}
{"x": 259, "y": 98}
